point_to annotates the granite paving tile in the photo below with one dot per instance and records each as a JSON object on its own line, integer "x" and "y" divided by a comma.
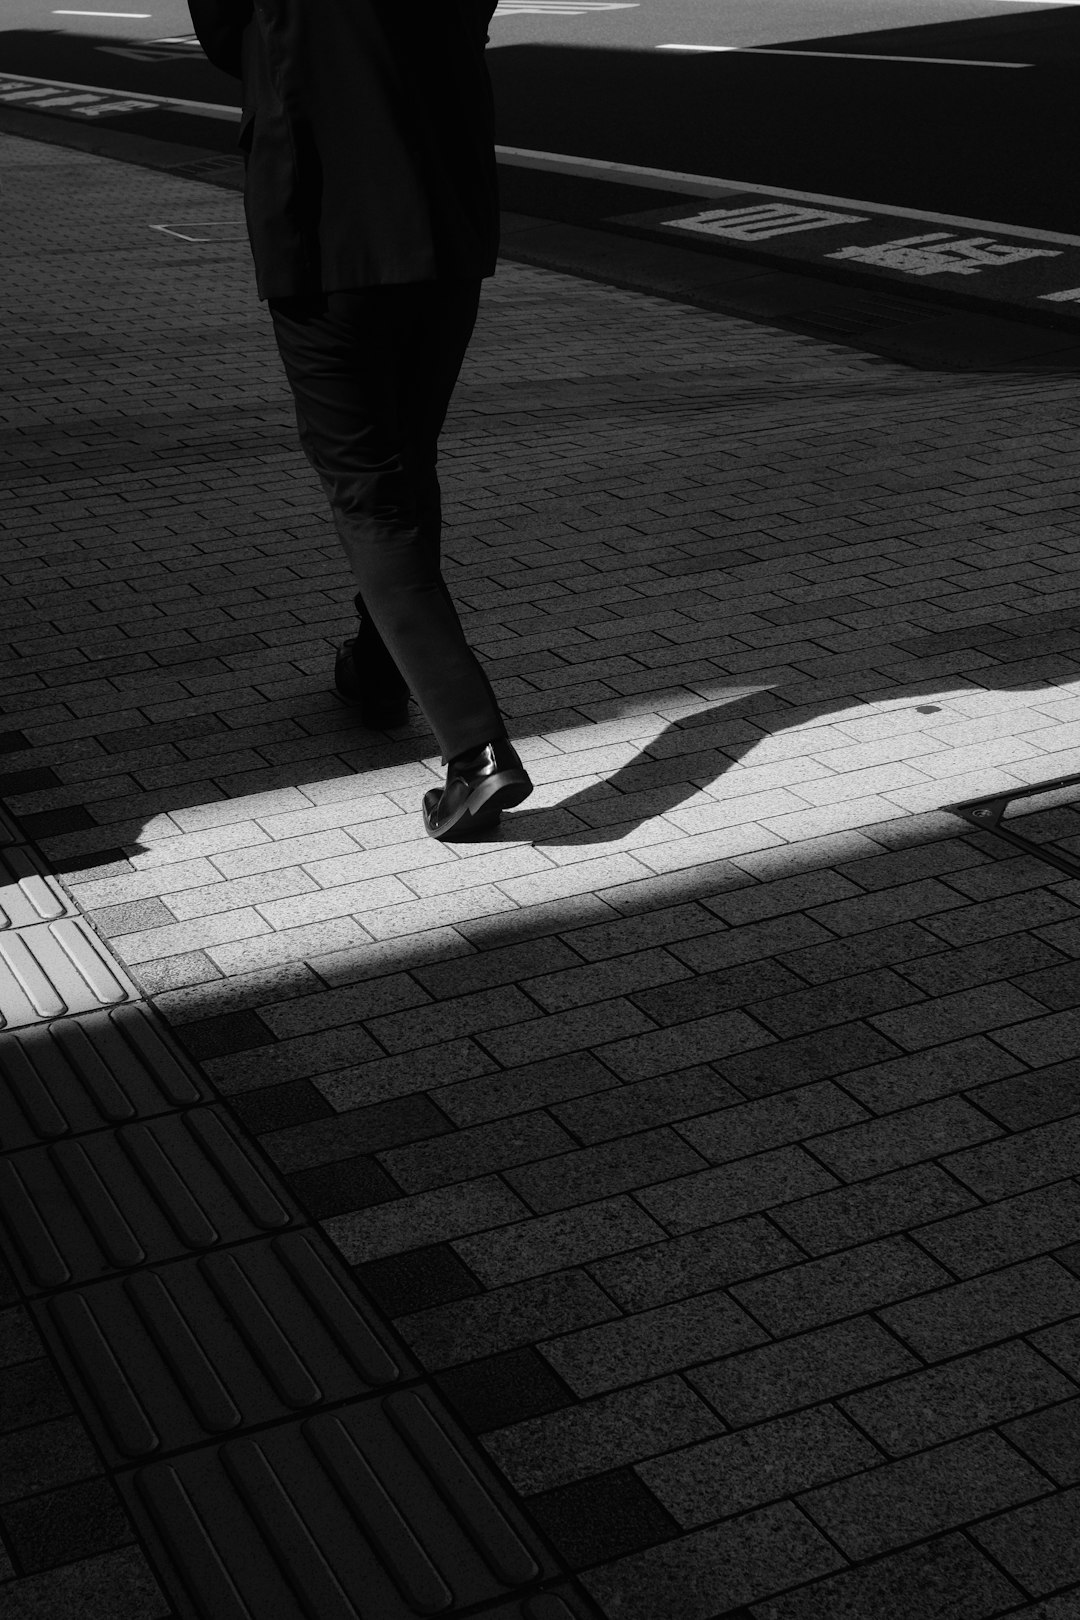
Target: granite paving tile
{"x": 976, "y": 1391}
{"x": 937, "y": 1490}
{"x": 732, "y": 1077}
{"x": 716, "y": 1478}
{"x": 942, "y": 1579}
{"x": 604, "y": 1433}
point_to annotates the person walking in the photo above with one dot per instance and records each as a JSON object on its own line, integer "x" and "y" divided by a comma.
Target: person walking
{"x": 372, "y": 211}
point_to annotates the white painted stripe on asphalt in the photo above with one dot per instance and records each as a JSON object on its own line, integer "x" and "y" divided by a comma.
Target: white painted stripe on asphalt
{"x": 129, "y": 16}
{"x": 205, "y": 109}
{"x": 708, "y": 185}
{"x": 843, "y": 56}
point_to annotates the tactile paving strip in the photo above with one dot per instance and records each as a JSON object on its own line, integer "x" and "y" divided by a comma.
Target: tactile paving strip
{"x": 27, "y": 894}
{"x": 187, "y": 1353}
{"x": 375, "y": 1511}
{"x": 53, "y": 968}
{"x": 78, "y": 1074}
{"x": 186, "y": 1299}
{"x": 114, "y": 1200}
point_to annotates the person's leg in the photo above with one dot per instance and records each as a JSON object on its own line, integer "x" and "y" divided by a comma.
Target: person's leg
{"x": 372, "y": 372}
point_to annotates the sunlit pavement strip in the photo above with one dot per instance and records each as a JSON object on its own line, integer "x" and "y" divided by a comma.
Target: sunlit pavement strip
{"x": 710, "y": 1134}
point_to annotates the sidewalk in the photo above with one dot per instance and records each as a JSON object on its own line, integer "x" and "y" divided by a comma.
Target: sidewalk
{"x": 664, "y": 1211}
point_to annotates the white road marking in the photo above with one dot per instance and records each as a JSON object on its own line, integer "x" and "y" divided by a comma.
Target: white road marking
{"x": 709, "y": 185}
{"x": 560, "y": 8}
{"x": 184, "y": 228}
{"x": 1070, "y": 295}
{"x": 762, "y": 221}
{"x": 131, "y": 16}
{"x": 939, "y": 254}
{"x": 21, "y": 87}
{"x": 844, "y": 56}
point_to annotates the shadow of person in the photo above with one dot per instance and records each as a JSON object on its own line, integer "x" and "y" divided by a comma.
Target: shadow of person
{"x": 746, "y": 759}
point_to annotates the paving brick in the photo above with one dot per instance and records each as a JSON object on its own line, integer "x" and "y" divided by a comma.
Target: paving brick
{"x": 611, "y": 1167}
{"x": 120, "y": 1584}
{"x": 919, "y": 1077}
{"x": 985, "y": 1310}
{"x": 532, "y": 1085}
{"x": 699, "y": 1040}
{"x": 1041, "y": 1041}
{"x": 572, "y": 1031}
{"x": 59, "y": 1526}
{"x": 1031, "y": 1223}
{"x": 770, "y": 1122}
{"x": 966, "y": 1012}
{"x": 786, "y": 895}
{"x": 734, "y": 987}
{"x": 417, "y": 1280}
{"x": 974, "y": 1392}
{"x": 750, "y": 942}
{"x": 408, "y": 1223}
{"x": 1052, "y": 1440}
{"x": 834, "y": 959}
{"x": 718, "y": 1477}
{"x": 821, "y": 1291}
{"x": 381, "y": 1079}
{"x": 604, "y": 1517}
{"x": 507, "y": 1388}
{"x": 1037, "y": 909}
{"x": 903, "y": 901}
{"x": 1004, "y": 957}
{"x": 59, "y": 1452}
{"x": 714, "y": 1571}
{"x": 1039, "y": 1544}
{"x": 893, "y": 1202}
{"x": 938, "y": 1490}
{"x": 296, "y": 1059}
{"x": 653, "y": 1342}
{"x": 1030, "y": 1099}
{"x": 504, "y": 964}
{"x": 801, "y": 1371}
{"x": 1012, "y": 1164}
{"x": 637, "y": 1106}
{"x": 723, "y": 1192}
{"x": 607, "y": 1432}
{"x": 548, "y": 1243}
{"x": 907, "y": 1137}
{"x": 505, "y": 1318}
{"x": 943, "y": 1579}
{"x": 787, "y": 1064}
{"x": 694, "y": 1264}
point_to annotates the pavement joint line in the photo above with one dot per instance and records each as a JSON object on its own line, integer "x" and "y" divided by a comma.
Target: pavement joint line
{"x": 226, "y": 1345}
{"x": 725, "y": 1186}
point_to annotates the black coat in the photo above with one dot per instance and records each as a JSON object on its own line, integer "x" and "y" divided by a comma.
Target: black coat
{"x": 369, "y": 138}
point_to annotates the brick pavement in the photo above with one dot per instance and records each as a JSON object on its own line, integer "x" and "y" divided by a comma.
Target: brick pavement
{"x": 710, "y": 1134}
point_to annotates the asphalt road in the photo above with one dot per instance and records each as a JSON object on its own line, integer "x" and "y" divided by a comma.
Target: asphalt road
{"x": 818, "y": 97}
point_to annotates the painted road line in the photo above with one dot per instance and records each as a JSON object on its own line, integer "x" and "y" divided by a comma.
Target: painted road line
{"x": 842, "y": 56}
{"x": 1000, "y": 266}
{"x": 91, "y": 101}
{"x": 707, "y": 185}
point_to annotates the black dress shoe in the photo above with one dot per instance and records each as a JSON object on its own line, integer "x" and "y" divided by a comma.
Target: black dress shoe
{"x": 479, "y": 787}
{"x": 381, "y": 709}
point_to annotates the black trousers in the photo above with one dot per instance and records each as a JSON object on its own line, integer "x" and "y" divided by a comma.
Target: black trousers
{"x": 372, "y": 372}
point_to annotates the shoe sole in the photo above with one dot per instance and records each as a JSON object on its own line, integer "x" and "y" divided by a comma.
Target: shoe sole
{"x": 483, "y": 808}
